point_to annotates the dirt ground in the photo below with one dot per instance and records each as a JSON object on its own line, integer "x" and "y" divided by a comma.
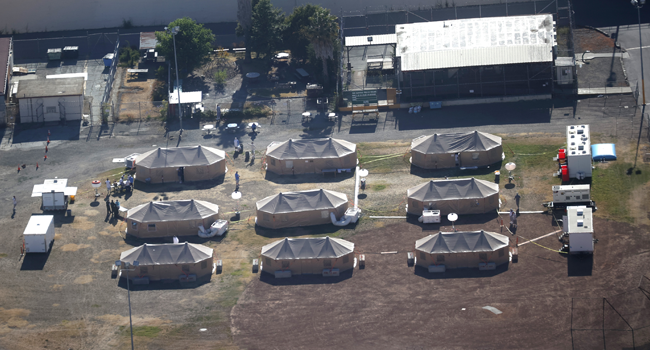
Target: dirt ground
{"x": 389, "y": 305}
{"x": 592, "y": 40}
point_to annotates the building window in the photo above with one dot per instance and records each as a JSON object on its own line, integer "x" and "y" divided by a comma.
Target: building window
{"x": 204, "y": 264}
{"x": 475, "y": 155}
{"x": 324, "y": 214}
{"x": 151, "y": 227}
{"x": 289, "y": 164}
{"x": 272, "y": 161}
{"x": 267, "y": 217}
{"x": 423, "y": 256}
{"x": 285, "y": 264}
{"x": 501, "y": 253}
{"x": 346, "y": 259}
{"x": 285, "y": 218}
{"x": 327, "y": 262}
{"x": 440, "y": 258}
{"x": 143, "y": 270}
{"x": 267, "y": 261}
{"x": 482, "y": 257}
{"x": 414, "y": 205}
{"x": 186, "y": 268}
{"x": 50, "y": 109}
{"x": 134, "y": 225}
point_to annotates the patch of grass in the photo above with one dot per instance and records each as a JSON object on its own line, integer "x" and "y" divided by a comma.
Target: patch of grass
{"x": 141, "y": 331}
{"x": 95, "y": 305}
{"x": 612, "y": 188}
{"x": 3, "y": 255}
{"x": 238, "y": 272}
{"x": 379, "y": 187}
{"x": 220, "y": 76}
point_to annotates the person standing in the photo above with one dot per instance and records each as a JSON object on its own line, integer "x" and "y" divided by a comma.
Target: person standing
{"x": 108, "y": 187}
{"x": 513, "y": 219}
{"x": 15, "y": 203}
{"x": 180, "y": 175}
{"x": 236, "y": 178}
{"x": 113, "y": 208}
{"x": 517, "y": 198}
{"x": 108, "y": 208}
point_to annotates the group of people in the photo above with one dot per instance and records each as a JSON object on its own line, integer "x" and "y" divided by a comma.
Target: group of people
{"x": 121, "y": 184}
{"x": 113, "y": 208}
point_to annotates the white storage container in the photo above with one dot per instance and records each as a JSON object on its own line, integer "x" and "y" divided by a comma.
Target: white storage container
{"x": 39, "y": 234}
{"x": 431, "y": 216}
{"x": 220, "y": 226}
{"x": 129, "y": 161}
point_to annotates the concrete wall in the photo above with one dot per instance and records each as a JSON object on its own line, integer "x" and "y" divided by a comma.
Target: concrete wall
{"x": 47, "y": 15}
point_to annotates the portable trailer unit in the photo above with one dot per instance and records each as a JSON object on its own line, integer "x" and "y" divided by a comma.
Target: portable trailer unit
{"x": 578, "y": 152}
{"x": 39, "y": 234}
{"x": 578, "y": 224}
{"x": 566, "y": 195}
{"x": 55, "y": 194}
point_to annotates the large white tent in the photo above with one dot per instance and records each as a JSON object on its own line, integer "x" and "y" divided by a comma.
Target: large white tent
{"x": 438, "y": 151}
{"x": 170, "y": 218}
{"x": 198, "y": 163}
{"x": 301, "y": 156}
{"x": 462, "y": 249}
{"x": 460, "y": 196}
{"x": 169, "y": 261}
{"x": 308, "y": 255}
{"x": 303, "y": 208}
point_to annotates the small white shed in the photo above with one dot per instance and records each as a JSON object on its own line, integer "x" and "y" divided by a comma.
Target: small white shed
{"x": 50, "y": 100}
{"x": 55, "y": 193}
{"x": 39, "y": 234}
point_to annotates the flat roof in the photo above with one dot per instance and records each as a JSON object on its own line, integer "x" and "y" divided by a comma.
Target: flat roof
{"x": 50, "y": 88}
{"x": 148, "y": 40}
{"x": 579, "y": 220}
{"x": 475, "y": 42}
{"x": 186, "y": 97}
{"x": 38, "y": 224}
{"x": 381, "y": 39}
{"x": 578, "y": 140}
{"x": 5, "y": 45}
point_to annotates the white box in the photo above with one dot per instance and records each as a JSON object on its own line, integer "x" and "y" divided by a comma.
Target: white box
{"x": 431, "y": 216}
{"x": 39, "y": 234}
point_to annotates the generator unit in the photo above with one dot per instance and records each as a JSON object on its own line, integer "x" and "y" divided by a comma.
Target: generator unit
{"x": 578, "y": 225}
{"x": 566, "y": 195}
{"x": 578, "y": 151}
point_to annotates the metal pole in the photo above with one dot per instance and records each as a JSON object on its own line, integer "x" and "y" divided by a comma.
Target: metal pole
{"x": 638, "y": 10}
{"x": 129, "y": 297}
{"x": 178, "y": 87}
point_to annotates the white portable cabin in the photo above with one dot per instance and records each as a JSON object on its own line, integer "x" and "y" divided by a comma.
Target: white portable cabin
{"x": 55, "y": 193}
{"x": 39, "y": 234}
{"x": 579, "y": 226}
{"x": 571, "y": 193}
{"x": 578, "y": 151}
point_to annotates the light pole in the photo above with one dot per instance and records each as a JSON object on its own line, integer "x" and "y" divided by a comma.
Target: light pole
{"x": 128, "y": 291}
{"x": 174, "y": 31}
{"x": 639, "y": 4}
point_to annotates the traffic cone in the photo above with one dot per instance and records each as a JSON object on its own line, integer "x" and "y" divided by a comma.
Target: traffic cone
{"x": 48, "y": 140}
{"x": 18, "y": 168}
{"x": 45, "y": 158}
{"x": 48, "y": 132}
{"x": 45, "y": 149}
{"x": 36, "y": 165}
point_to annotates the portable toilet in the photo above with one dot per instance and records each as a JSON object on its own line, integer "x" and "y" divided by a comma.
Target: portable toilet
{"x": 108, "y": 59}
{"x": 39, "y": 234}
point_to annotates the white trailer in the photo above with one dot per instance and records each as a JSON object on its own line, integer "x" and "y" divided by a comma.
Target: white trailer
{"x": 55, "y": 194}
{"x": 579, "y": 226}
{"x": 566, "y": 195}
{"x": 39, "y": 234}
{"x": 578, "y": 151}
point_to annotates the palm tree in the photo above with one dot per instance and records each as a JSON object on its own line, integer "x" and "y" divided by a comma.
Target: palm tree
{"x": 323, "y": 32}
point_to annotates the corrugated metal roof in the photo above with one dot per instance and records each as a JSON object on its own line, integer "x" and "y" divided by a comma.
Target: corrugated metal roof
{"x": 475, "y": 42}
{"x": 5, "y": 47}
{"x": 148, "y": 40}
{"x": 383, "y": 39}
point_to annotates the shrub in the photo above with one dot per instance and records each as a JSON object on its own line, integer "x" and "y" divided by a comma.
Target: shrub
{"x": 129, "y": 56}
{"x": 159, "y": 91}
{"x": 161, "y": 73}
{"x": 220, "y": 76}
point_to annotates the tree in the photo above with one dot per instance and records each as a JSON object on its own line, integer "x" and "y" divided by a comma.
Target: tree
{"x": 266, "y": 28}
{"x": 244, "y": 18}
{"x": 322, "y": 32}
{"x": 294, "y": 35}
{"x": 193, "y": 44}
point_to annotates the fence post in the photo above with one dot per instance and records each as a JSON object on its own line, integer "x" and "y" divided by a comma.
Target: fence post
{"x": 139, "y": 113}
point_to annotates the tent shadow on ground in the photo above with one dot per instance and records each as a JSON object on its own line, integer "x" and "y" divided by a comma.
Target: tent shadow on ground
{"x": 35, "y": 261}
{"x": 579, "y": 265}
{"x": 455, "y": 172}
{"x": 136, "y": 241}
{"x": 460, "y": 273}
{"x": 178, "y": 187}
{"x": 164, "y": 284}
{"x": 269, "y": 278}
{"x": 314, "y": 231}
{"x": 307, "y": 178}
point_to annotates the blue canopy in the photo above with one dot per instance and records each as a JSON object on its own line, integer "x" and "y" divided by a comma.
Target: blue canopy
{"x": 603, "y": 151}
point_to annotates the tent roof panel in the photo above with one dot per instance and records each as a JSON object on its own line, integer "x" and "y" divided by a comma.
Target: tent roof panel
{"x": 308, "y": 248}
{"x": 291, "y": 202}
{"x": 310, "y": 148}
{"x": 167, "y": 254}
{"x": 172, "y": 211}
{"x": 452, "y": 189}
{"x": 475, "y": 141}
{"x": 462, "y": 242}
{"x": 180, "y": 157}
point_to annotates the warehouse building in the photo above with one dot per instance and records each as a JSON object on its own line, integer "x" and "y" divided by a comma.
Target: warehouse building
{"x": 310, "y": 156}
{"x": 50, "y": 100}
{"x": 303, "y": 208}
{"x": 451, "y": 250}
{"x": 297, "y": 256}
{"x": 476, "y": 57}
{"x": 460, "y": 196}
{"x": 465, "y": 150}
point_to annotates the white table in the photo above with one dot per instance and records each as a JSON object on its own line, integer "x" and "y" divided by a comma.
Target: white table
{"x": 208, "y": 128}
{"x": 231, "y": 127}
{"x": 257, "y": 126}
{"x": 282, "y": 55}
{"x": 331, "y": 116}
{"x": 252, "y": 75}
